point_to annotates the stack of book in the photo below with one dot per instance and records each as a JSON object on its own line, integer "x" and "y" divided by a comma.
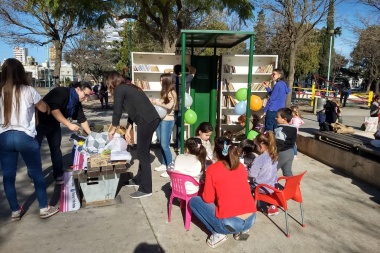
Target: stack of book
{"x": 258, "y": 87}
{"x": 228, "y": 101}
{"x": 265, "y": 69}
{"x": 143, "y": 84}
{"x": 229, "y": 68}
{"x": 226, "y": 86}
{"x": 145, "y": 67}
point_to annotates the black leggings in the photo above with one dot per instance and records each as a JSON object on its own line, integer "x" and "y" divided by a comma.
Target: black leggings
{"x": 144, "y": 138}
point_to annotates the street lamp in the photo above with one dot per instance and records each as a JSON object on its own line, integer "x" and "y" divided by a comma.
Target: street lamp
{"x": 331, "y": 32}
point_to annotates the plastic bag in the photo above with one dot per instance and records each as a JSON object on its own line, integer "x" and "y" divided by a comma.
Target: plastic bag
{"x": 117, "y": 144}
{"x": 371, "y": 124}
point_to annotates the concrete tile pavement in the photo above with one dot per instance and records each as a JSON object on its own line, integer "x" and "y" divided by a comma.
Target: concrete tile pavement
{"x": 341, "y": 215}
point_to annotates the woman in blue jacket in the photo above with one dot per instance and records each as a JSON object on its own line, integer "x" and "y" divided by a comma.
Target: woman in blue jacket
{"x": 277, "y": 98}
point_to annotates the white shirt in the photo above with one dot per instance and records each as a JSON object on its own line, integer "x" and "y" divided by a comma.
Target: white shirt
{"x": 25, "y": 121}
{"x": 189, "y": 164}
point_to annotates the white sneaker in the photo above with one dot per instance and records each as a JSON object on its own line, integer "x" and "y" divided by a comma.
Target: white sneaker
{"x": 162, "y": 167}
{"x": 165, "y": 174}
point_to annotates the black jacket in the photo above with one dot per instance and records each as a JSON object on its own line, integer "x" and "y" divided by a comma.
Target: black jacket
{"x": 135, "y": 103}
{"x": 58, "y": 98}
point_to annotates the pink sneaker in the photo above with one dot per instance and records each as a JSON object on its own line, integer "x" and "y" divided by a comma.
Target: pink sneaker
{"x": 272, "y": 210}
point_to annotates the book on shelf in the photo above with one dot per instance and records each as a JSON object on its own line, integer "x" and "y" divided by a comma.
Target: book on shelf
{"x": 232, "y": 100}
{"x": 226, "y": 119}
{"x": 145, "y": 67}
{"x": 229, "y": 101}
{"x": 258, "y": 87}
{"x": 229, "y": 68}
{"x": 265, "y": 69}
{"x": 143, "y": 84}
{"x": 231, "y": 87}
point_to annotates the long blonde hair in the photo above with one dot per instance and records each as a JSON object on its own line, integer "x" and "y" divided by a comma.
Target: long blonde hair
{"x": 13, "y": 77}
{"x": 268, "y": 139}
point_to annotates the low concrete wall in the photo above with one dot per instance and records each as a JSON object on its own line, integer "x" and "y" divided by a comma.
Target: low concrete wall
{"x": 354, "y": 165}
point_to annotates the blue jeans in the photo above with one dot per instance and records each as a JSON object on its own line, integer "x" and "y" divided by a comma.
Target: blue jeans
{"x": 206, "y": 214}
{"x": 13, "y": 143}
{"x": 270, "y": 120}
{"x": 164, "y": 132}
{"x": 295, "y": 149}
{"x": 178, "y": 118}
{"x": 54, "y": 138}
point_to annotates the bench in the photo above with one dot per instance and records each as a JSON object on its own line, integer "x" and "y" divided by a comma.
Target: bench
{"x": 354, "y": 143}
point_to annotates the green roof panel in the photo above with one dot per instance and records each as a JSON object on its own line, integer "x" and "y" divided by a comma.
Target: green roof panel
{"x": 214, "y": 38}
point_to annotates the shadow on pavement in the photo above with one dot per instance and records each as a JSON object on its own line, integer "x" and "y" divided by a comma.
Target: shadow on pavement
{"x": 148, "y": 248}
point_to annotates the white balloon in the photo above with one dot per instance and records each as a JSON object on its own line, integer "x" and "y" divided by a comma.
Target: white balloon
{"x": 161, "y": 111}
{"x": 188, "y": 100}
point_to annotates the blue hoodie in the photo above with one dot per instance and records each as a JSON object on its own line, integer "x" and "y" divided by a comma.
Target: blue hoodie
{"x": 277, "y": 98}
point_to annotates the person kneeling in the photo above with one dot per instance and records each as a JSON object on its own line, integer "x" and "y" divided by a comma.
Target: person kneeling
{"x": 226, "y": 205}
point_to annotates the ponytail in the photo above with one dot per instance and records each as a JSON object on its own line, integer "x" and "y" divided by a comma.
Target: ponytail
{"x": 226, "y": 153}
{"x": 195, "y": 147}
{"x": 269, "y": 140}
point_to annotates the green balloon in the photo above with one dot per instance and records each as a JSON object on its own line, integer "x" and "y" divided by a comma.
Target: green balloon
{"x": 252, "y": 135}
{"x": 241, "y": 94}
{"x": 190, "y": 117}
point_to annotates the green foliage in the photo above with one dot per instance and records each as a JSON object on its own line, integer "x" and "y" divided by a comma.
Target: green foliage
{"x": 261, "y": 41}
{"x": 164, "y": 20}
{"x": 365, "y": 57}
{"x": 307, "y": 56}
{"x": 89, "y": 54}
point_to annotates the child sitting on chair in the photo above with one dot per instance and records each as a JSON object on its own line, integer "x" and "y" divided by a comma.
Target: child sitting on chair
{"x": 191, "y": 163}
{"x": 264, "y": 167}
{"x": 226, "y": 205}
{"x": 203, "y": 132}
{"x": 247, "y": 151}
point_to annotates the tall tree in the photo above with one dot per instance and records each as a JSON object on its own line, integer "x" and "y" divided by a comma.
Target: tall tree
{"x": 164, "y": 19}
{"x": 326, "y": 37}
{"x": 261, "y": 40}
{"x": 51, "y": 21}
{"x": 299, "y": 18}
{"x": 365, "y": 55}
{"x": 90, "y": 54}
{"x": 338, "y": 62}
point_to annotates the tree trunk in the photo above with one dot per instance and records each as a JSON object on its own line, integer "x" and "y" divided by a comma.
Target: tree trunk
{"x": 166, "y": 46}
{"x": 292, "y": 61}
{"x": 58, "y": 58}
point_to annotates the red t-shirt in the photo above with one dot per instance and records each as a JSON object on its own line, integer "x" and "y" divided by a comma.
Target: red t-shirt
{"x": 229, "y": 190}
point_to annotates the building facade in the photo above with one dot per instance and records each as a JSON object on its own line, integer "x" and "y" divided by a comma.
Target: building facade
{"x": 20, "y": 53}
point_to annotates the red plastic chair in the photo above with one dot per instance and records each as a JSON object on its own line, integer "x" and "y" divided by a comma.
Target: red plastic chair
{"x": 179, "y": 191}
{"x": 280, "y": 197}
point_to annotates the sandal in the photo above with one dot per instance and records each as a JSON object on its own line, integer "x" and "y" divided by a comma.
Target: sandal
{"x": 216, "y": 239}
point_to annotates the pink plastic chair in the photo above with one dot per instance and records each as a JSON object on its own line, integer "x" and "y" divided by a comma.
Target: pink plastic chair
{"x": 179, "y": 191}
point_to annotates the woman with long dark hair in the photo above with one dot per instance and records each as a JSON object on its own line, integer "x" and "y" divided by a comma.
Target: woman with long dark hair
{"x": 168, "y": 101}
{"x": 226, "y": 205}
{"x": 128, "y": 98}
{"x": 277, "y": 98}
{"x": 17, "y": 131}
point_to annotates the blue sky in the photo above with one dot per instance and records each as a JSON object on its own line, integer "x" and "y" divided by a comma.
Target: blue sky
{"x": 345, "y": 13}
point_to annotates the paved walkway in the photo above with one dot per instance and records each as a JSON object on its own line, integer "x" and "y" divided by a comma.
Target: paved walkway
{"x": 341, "y": 215}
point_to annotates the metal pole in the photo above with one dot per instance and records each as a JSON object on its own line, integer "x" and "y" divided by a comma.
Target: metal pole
{"x": 328, "y": 68}
{"x": 130, "y": 48}
{"x": 48, "y": 65}
{"x": 250, "y": 63}
{"x": 183, "y": 88}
